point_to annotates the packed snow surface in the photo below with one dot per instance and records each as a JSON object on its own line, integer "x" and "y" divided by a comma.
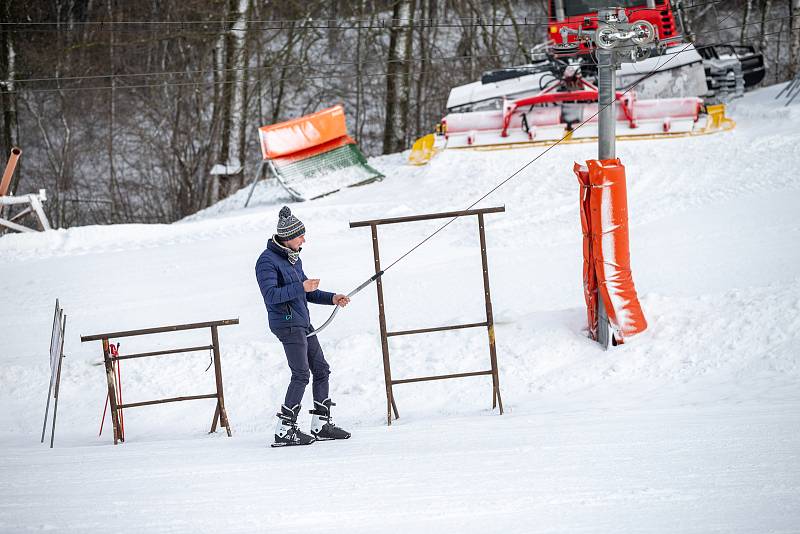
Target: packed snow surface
{"x": 692, "y": 426}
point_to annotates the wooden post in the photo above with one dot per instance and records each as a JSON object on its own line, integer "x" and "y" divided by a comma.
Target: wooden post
{"x": 223, "y": 416}
{"x": 496, "y": 400}
{"x": 387, "y": 370}
{"x": 112, "y": 391}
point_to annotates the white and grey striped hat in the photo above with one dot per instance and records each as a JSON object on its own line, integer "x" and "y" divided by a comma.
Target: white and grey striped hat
{"x": 289, "y": 226}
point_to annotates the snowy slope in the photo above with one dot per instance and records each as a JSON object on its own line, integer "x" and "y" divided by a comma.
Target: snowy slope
{"x": 691, "y": 427}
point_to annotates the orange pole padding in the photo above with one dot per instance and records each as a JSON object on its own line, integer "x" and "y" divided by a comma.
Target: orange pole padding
{"x": 9, "y": 172}
{"x": 302, "y": 134}
{"x": 589, "y": 276}
{"x": 606, "y": 251}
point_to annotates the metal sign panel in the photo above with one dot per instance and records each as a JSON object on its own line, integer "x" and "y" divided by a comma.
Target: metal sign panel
{"x": 56, "y": 356}
{"x": 56, "y": 341}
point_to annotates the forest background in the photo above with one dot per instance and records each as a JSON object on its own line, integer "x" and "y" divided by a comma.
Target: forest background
{"x": 123, "y": 108}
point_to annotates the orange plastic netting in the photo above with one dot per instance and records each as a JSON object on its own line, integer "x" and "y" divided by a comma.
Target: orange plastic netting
{"x": 606, "y": 254}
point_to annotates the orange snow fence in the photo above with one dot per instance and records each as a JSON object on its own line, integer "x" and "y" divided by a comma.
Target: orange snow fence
{"x": 311, "y": 133}
{"x": 606, "y": 255}
{"x": 313, "y": 156}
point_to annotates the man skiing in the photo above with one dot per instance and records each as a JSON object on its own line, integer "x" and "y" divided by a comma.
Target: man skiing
{"x": 287, "y": 291}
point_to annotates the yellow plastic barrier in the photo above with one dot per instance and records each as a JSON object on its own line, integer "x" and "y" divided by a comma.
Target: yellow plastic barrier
{"x": 717, "y": 121}
{"x": 422, "y": 151}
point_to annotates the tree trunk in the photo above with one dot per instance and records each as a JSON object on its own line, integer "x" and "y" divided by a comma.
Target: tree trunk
{"x": 236, "y": 145}
{"x": 113, "y": 187}
{"x": 766, "y": 5}
{"x": 466, "y": 48}
{"x": 285, "y": 59}
{"x": 517, "y": 33}
{"x": 359, "y": 82}
{"x": 401, "y": 140}
{"x": 794, "y": 55}
{"x": 225, "y": 57}
{"x": 748, "y": 8}
{"x": 687, "y": 22}
{"x": 424, "y": 56}
{"x": 8, "y": 100}
{"x": 392, "y": 69}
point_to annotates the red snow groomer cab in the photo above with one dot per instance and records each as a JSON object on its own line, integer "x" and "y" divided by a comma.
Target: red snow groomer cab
{"x": 729, "y": 69}
{"x": 678, "y": 91}
{"x": 575, "y": 14}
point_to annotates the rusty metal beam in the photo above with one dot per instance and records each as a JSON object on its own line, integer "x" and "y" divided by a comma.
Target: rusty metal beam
{"x": 159, "y": 330}
{"x": 162, "y": 401}
{"x": 441, "y": 377}
{"x": 435, "y": 329}
{"x": 427, "y": 217}
{"x": 161, "y": 352}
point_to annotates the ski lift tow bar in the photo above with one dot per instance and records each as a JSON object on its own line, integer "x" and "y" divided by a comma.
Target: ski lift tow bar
{"x": 353, "y": 292}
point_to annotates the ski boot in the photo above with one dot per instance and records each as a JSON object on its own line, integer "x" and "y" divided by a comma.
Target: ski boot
{"x": 322, "y": 427}
{"x": 287, "y": 433}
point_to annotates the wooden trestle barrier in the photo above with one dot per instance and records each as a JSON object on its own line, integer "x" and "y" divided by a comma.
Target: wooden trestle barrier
{"x": 385, "y": 335}
{"x": 220, "y": 414}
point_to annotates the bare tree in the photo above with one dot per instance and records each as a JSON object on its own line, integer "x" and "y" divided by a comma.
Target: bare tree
{"x": 766, "y": 5}
{"x": 8, "y": 99}
{"x": 405, "y": 92}
{"x": 794, "y": 54}
{"x": 748, "y": 8}
{"x": 392, "y": 69}
{"x": 138, "y": 115}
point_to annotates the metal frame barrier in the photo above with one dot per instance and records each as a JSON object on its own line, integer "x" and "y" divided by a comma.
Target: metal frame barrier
{"x": 220, "y": 415}
{"x": 385, "y": 335}
{"x": 56, "y": 359}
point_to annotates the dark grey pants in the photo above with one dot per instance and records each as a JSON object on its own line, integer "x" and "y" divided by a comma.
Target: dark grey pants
{"x": 303, "y": 354}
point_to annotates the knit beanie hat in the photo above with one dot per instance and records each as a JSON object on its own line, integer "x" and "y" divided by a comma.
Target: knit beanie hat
{"x": 289, "y": 226}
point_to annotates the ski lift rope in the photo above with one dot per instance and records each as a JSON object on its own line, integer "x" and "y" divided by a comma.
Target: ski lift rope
{"x": 495, "y": 188}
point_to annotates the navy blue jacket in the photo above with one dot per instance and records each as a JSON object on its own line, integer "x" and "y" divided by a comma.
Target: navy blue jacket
{"x": 281, "y": 286}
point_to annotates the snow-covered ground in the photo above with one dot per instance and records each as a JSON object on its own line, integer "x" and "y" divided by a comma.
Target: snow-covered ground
{"x": 693, "y": 426}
